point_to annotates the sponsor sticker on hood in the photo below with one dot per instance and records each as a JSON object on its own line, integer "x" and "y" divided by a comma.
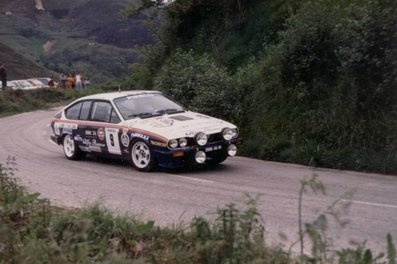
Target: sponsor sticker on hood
{"x": 162, "y": 122}
{"x": 187, "y": 124}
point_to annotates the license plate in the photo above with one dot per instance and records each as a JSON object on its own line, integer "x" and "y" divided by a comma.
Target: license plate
{"x": 213, "y": 148}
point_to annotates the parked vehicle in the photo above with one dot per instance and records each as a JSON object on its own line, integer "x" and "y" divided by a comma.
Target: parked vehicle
{"x": 44, "y": 80}
{"x": 145, "y": 127}
{"x": 37, "y": 83}
{"x": 28, "y": 84}
{"x": 22, "y": 84}
{"x": 13, "y": 85}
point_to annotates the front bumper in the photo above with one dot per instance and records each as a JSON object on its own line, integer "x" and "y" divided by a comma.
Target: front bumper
{"x": 186, "y": 156}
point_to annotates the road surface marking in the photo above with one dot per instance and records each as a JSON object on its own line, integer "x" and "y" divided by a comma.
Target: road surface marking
{"x": 190, "y": 178}
{"x": 369, "y": 203}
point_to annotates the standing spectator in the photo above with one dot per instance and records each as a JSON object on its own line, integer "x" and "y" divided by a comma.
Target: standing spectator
{"x": 78, "y": 81}
{"x": 87, "y": 83}
{"x": 3, "y": 75}
{"x": 51, "y": 82}
{"x": 70, "y": 82}
{"x": 62, "y": 80}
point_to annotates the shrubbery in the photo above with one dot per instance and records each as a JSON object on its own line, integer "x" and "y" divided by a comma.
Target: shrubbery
{"x": 317, "y": 89}
{"x": 196, "y": 81}
{"x": 327, "y": 88}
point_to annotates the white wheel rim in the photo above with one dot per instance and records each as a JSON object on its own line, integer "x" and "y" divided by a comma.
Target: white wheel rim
{"x": 140, "y": 155}
{"x": 68, "y": 146}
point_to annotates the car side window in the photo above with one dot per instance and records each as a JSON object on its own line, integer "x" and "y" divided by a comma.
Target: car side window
{"x": 73, "y": 112}
{"x": 101, "y": 111}
{"x": 114, "y": 117}
{"x": 85, "y": 110}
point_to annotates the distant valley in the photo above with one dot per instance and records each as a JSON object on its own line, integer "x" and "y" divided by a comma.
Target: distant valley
{"x": 89, "y": 36}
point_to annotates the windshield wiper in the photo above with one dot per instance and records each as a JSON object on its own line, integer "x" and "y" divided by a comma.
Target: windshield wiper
{"x": 146, "y": 115}
{"x": 171, "y": 111}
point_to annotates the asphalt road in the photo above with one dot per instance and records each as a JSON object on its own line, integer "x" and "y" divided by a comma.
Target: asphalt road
{"x": 174, "y": 197}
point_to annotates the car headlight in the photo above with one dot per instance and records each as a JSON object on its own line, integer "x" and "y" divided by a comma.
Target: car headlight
{"x": 234, "y": 132}
{"x": 201, "y": 139}
{"x": 173, "y": 143}
{"x": 200, "y": 157}
{"x": 183, "y": 142}
{"x": 232, "y": 150}
{"x": 229, "y": 133}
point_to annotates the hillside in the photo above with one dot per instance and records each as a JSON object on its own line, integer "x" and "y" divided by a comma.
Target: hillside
{"x": 68, "y": 36}
{"x": 311, "y": 82}
{"x": 19, "y": 67}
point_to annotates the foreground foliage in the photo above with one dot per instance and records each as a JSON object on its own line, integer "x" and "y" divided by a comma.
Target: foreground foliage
{"x": 33, "y": 231}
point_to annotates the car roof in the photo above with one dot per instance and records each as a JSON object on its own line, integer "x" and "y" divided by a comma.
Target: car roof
{"x": 113, "y": 95}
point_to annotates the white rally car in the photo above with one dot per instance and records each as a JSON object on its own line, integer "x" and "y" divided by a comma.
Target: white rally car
{"x": 145, "y": 127}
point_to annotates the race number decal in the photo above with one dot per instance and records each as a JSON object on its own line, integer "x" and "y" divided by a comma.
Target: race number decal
{"x": 112, "y": 140}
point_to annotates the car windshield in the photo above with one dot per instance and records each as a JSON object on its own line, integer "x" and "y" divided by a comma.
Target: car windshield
{"x": 146, "y": 105}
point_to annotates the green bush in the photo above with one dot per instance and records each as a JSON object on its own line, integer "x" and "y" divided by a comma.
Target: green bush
{"x": 196, "y": 82}
{"x": 307, "y": 82}
{"x": 326, "y": 93}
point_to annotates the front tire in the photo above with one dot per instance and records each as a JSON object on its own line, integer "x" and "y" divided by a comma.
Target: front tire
{"x": 70, "y": 148}
{"x": 141, "y": 156}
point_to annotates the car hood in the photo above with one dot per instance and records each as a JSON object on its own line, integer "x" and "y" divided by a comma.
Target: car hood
{"x": 186, "y": 124}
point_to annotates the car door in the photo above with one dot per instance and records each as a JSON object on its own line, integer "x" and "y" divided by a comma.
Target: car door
{"x": 84, "y": 117}
{"x": 102, "y": 134}
{"x": 73, "y": 127}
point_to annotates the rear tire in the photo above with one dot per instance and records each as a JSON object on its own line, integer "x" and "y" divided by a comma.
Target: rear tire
{"x": 71, "y": 150}
{"x": 141, "y": 156}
